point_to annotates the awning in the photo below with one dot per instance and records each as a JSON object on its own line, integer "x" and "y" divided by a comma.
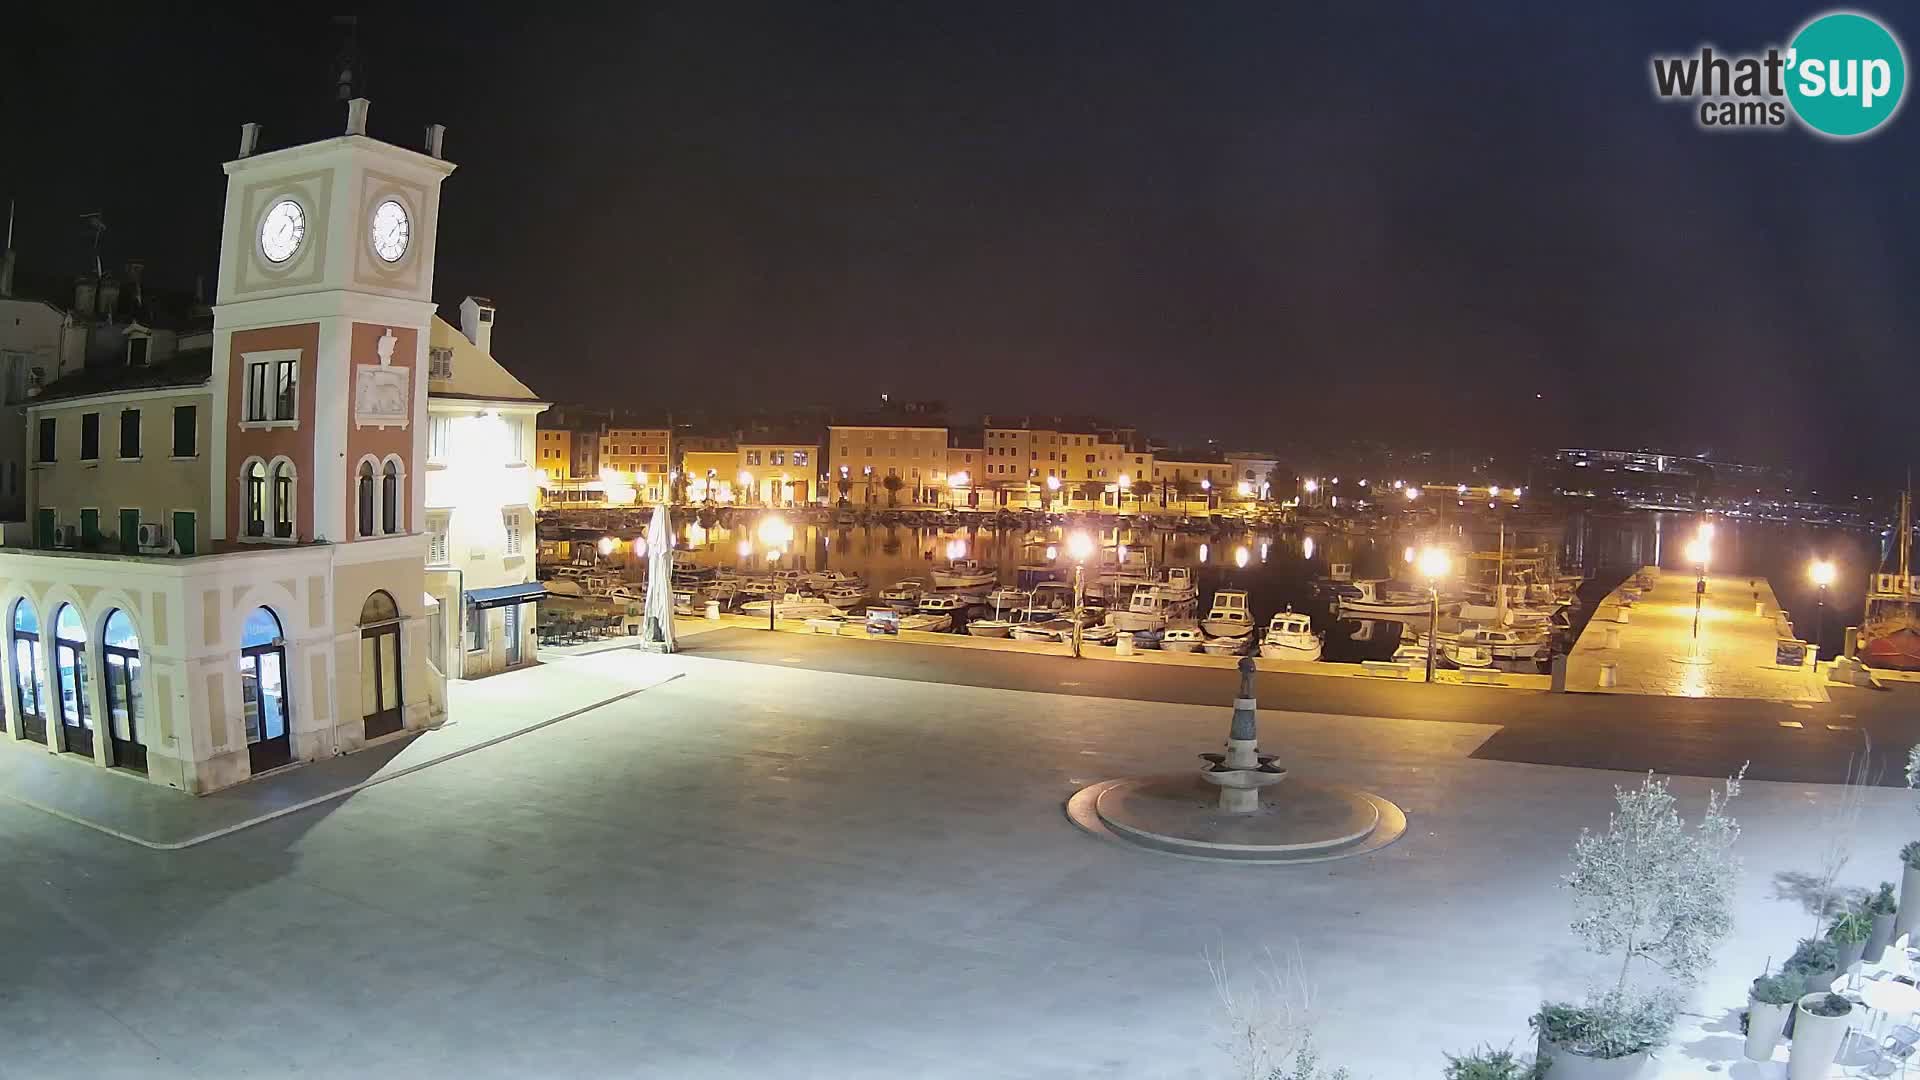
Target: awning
{"x": 506, "y": 594}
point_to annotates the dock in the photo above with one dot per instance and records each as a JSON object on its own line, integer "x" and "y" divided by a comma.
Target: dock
{"x": 1640, "y": 641}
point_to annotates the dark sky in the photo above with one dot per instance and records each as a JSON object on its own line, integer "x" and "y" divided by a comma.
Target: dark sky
{"x": 1249, "y": 220}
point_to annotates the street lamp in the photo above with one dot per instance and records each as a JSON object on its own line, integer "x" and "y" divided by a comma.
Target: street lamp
{"x": 711, "y": 473}
{"x": 1079, "y": 546}
{"x": 1126, "y": 484}
{"x": 1053, "y": 488}
{"x": 1206, "y": 488}
{"x": 1822, "y": 573}
{"x": 1433, "y": 564}
{"x": 774, "y": 533}
{"x": 1699, "y": 550}
{"x": 746, "y": 485}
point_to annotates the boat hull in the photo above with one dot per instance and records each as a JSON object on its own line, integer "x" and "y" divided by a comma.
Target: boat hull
{"x": 1897, "y": 651}
{"x": 960, "y": 579}
{"x": 1283, "y": 650}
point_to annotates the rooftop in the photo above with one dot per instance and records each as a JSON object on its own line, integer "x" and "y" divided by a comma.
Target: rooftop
{"x": 190, "y": 367}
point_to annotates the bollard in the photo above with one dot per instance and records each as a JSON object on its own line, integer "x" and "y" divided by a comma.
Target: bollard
{"x": 1609, "y": 675}
{"x": 1613, "y": 637}
{"x": 1625, "y": 615}
{"x": 1123, "y": 644}
{"x": 713, "y": 611}
{"x": 1559, "y": 678}
{"x": 1759, "y": 607}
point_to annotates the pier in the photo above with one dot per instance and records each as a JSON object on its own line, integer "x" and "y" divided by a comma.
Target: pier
{"x": 1640, "y": 641}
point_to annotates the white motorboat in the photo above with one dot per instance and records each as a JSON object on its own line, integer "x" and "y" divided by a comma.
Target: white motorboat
{"x": 903, "y": 595}
{"x": 1227, "y": 646}
{"x": 941, "y": 603}
{"x": 1503, "y": 643}
{"x": 1178, "y": 586}
{"x": 793, "y": 606}
{"x": 1009, "y": 597}
{"x": 1144, "y": 611}
{"x": 1373, "y": 601}
{"x": 927, "y": 622}
{"x": 755, "y": 587}
{"x": 1466, "y": 654}
{"x": 1290, "y": 636}
{"x": 1182, "y": 639}
{"x": 845, "y": 596}
{"x": 828, "y": 580}
{"x": 995, "y": 628}
{"x": 963, "y": 573}
{"x": 1229, "y": 617}
{"x": 1095, "y": 634}
{"x": 1050, "y": 630}
{"x": 1050, "y": 598}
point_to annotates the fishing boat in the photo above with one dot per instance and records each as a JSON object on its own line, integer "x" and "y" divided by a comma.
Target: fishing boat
{"x": 1181, "y": 639}
{"x": 845, "y": 596}
{"x": 941, "y": 603}
{"x": 1290, "y": 636}
{"x": 1229, "y": 617}
{"x": 1374, "y": 601}
{"x": 1227, "y": 646}
{"x": 927, "y": 622}
{"x": 1049, "y": 630}
{"x": 1505, "y": 643}
{"x": 825, "y": 580}
{"x": 962, "y": 573}
{"x": 903, "y": 595}
{"x": 755, "y": 587}
{"x": 1890, "y": 625}
{"x": 1146, "y": 610}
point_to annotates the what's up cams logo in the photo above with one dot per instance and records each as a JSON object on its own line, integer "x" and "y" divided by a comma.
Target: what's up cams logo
{"x": 1842, "y": 76}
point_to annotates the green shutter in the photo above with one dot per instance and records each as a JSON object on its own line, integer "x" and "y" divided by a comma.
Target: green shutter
{"x": 89, "y": 528}
{"x": 130, "y": 530}
{"x": 43, "y": 528}
{"x": 183, "y": 530}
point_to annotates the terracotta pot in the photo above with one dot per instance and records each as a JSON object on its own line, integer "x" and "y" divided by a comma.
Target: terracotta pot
{"x": 1816, "y": 1041}
{"x": 1764, "y": 1026}
{"x": 1568, "y": 1065}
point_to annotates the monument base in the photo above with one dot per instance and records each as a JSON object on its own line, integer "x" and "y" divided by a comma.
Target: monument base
{"x": 1294, "y": 821}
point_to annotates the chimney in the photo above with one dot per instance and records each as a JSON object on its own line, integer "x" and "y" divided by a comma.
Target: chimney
{"x": 357, "y": 116}
{"x": 249, "y": 139}
{"x": 135, "y": 271}
{"x": 6, "y": 273}
{"x": 476, "y": 321}
{"x": 436, "y": 134}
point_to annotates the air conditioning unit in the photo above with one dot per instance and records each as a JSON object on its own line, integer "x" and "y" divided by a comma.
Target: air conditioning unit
{"x": 151, "y": 537}
{"x": 65, "y": 536}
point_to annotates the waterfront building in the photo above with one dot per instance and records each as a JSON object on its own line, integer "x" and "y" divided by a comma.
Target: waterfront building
{"x": 1253, "y": 476}
{"x": 712, "y": 472}
{"x": 639, "y": 457}
{"x": 480, "y": 494}
{"x": 867, "y": 454}
{"x": 234, "y": 577}
{"x": 777, "y": 472}
{"x": 1187, "y": 480}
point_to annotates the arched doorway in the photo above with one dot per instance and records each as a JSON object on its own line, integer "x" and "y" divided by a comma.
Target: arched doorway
{"x": 263, "y": 691}
{"x": 380, "y": 665}
{"x": 120, "y": 663}
{"x": 70, "y": 668}
{"x": 29, "y": 679}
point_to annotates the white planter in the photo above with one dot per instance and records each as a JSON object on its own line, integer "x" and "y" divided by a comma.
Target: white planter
{"x": 1764, "y": 1025}
{"x": 1909, "y": 913}
{"x": 1816, "y": 1041}
{"x": 1568, "y": 1065}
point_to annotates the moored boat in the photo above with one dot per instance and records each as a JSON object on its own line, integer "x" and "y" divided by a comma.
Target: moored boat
{"x": 1373, "y": 600}
{"x": 962, "y": 573}
{"x": 1181, "y": 639}
{"x": 1229, "y": 617}
{"x": 1290, "y": 636}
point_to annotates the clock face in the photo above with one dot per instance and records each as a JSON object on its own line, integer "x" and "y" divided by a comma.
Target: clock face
{"x": 282, "y": 230}
{"x": 391, "y": 230}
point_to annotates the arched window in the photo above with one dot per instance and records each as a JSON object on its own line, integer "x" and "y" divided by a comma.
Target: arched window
{"x": 363, "y": 491}
{"x": 390, "y": 497}
{"x": 283, "y": 499}
{"x": 120, "y": 658}
{"x": 29, "y": 682}
{"x": 263, "y": 691}
{"x": 256, "y": 485}
{"x": 70, "y": 668}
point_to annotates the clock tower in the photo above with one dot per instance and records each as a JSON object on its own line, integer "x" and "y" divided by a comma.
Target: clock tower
{"x": 320, "y": 335}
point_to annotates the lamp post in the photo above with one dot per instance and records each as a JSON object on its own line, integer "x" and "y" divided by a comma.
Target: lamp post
{"x": 1126, "y": 484}
{"x": 745, "y": 480}
{"x": 774, "y": 533}
{"x": 1433, "y": 564}
{"x": 1206, "y": 489}
{"x": 1079, "y": 546}
{"x": 1053, "y": 488}
{"x": 958, "y": 482}
{"x": 711, "y": 474}
{"x": 1822, "y": 573}
{"x": 1699, "y": 549}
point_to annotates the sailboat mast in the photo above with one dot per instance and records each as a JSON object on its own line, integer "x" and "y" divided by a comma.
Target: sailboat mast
{"x": 1906, "y": 527}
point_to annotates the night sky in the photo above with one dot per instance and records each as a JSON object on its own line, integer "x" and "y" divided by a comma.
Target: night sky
{"x": 1266, "y": 225}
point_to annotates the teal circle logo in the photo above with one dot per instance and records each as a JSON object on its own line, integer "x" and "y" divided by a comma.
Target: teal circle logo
{"x": 1846, "y": 74}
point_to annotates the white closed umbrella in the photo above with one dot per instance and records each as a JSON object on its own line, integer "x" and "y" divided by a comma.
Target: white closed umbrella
{"x": 659, "y": 621}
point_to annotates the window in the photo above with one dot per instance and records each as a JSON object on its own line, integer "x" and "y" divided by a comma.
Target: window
{"x": 753, "y": 457}
{"x": 186, "y": 434}
{"x": 283, "y": 500}
{"x": 476, "y": 628}
{"x": 437, "y": 542}
{"x": 440, "y": 363}
{"x": 89, "y": 436}
{"x": 511, "y": 518}
{"x": 843, "y": 452}
{"x": 46, "y": 439}
{"x": 137, "y": 351}
{"x": 779, "y": 458}
{"x": 439, "y": 429}
{"x": 256, "y": 481}
{"x": 129, "y": 433}
{"x": 390, "y": 497}
{"x": 363, "y": 498}
{"x": 272, "y": 389}
{"x": 799, "y": 457}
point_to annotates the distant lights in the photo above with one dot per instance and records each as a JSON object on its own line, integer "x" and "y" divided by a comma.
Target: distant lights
{"x": 1462, "y": 489}
{"x": 1408, "y": 555}
{"x": 1412, "y": 494}
{"x": 1312, "y": 486}
{"x": 606, "y": 545}
{"x": 1203, "y": 553}
{"x": 1240, "y": 556}
{"x": 1306, "y": 547}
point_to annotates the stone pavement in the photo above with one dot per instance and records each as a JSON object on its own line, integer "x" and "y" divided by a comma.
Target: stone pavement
{"x": 485, "y": 713}
{"x": 1736, "y": 643}
{"x": 763, "y": 871}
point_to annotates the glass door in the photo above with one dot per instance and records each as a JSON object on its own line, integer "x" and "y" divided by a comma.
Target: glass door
{"x": 380, "y": 679}
{"x": 264, "y": 695}
{"x": 513, "y": 635}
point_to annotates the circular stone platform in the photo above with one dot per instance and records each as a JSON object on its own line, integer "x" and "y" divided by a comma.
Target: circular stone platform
{"x": 1298, "y": 820}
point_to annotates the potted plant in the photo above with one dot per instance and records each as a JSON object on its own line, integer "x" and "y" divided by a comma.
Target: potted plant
{"x": 1909, "y": 916}
{"x": 1768, "y": 1003}
{"x": 1849, "y": 933}
{"x": 1881, "y": 908}
{"x": 1611, "y": 1037}
{"x": 1487, "y": 1063}
{"x": 1820, "y": 1024}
